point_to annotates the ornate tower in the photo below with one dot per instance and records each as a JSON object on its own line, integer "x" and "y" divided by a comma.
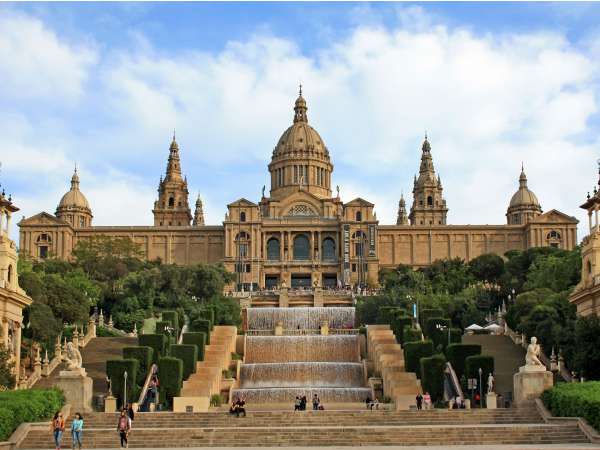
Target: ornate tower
{"x": 524, "y": 204}
{"x": 198, "y": 213}
{"x": 300, "y": 160}
{"x": 172, "y": 207}
{"x": 74, "y": 207}
{"x": 402, "y": 216}
{"x": 429, "y": 206}
{"x": 586, "y": 295}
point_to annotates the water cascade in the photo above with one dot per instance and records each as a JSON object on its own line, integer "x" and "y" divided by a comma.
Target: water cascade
{"x": 276, "y": 369}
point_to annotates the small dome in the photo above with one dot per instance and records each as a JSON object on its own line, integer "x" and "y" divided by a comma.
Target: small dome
{"x": 524, "y": 196}
{"x": 74, "y": 198}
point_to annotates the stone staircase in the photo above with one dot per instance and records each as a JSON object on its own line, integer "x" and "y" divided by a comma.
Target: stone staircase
{"x": 322, "y": 428}
{"x": 388, "y": 359}
{"x": 200, "y": 386}
{"x": 508, "y": 357}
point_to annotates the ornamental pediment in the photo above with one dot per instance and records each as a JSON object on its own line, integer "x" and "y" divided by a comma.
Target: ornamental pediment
{"x": 554, "y": 216}
{"x": 359, "y": 202}
{"x": 42, "y": 218}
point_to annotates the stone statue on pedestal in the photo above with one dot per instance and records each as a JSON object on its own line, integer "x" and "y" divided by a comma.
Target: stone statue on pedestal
{"x": 74, "y": 360}
{"x": 532, "y": 358}
{"x": 490, "y": 383}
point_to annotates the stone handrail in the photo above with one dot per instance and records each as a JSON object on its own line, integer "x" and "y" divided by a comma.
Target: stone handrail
{"x": 151, "y": 372}
{"x": 522, "y": 340}
{"x": 589, "y": 431}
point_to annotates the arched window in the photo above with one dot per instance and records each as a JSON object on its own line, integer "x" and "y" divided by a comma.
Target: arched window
{"x": 171, "y": 202}
{"x": 44, "y": 238}
{"x": 358, "y": 216}
{"x": 301, "y": 247}
{"x": 553, "y": 235}
{"x": 242, "y": 240}
{"x": 328, "y": 251}
{"x": 430, "y": 201}
{"x": 273, "y": 249}
{"x": 359, "y": 243}
{"x": 243, "y": 216}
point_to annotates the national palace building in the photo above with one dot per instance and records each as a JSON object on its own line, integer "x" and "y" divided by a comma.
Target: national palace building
{"x": 301, "y": 233}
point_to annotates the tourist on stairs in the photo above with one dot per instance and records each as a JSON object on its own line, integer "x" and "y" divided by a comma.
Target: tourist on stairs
{"x": 368, "y": 402}
{"x": 124, "y": 427}
{"x": 419, "y": 399}
{"x": 315, "y": 402}
{"x": 427, "y": 400}
{"x": 241, "y": 407}
{"x": 297, "y": 404}
{"x": 77, "y": 430}
{"x": 57, "y": 427}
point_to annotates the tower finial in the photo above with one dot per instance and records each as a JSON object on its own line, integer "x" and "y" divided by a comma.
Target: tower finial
{"x": 300, "y": 90}
{"x": 173, "y": 133}
{"x": 522, "y": 167}
{"x": 425, "y": 134}
{"x": 75, "y": 166}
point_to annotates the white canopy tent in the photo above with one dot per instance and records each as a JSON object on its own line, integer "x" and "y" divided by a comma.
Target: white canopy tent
{"x": 474, "y": 327}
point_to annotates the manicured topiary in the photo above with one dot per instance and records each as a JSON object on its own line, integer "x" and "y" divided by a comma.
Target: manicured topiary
{"x": 28, "y": 405}
{"x": 198, "y": 339}
{"x": 575, "y": 400}
{"x": 208, "y": 313}
{"x": 473, "y": 363}
{"x": 431, "y": 325}
{"x": 426, "y": 313}
{"x": 173, "y": 318}
{"x": 457, "y": 355}
{"x": 115, "y": 370}
{"x": 432, "y": 376}
{"x": 204, "y": 326}
{"x": 188, "y": 354}
{"x": 411, "y": 334}
{"x": 158, "y": 342}
{"x": 144, "y": 357}
{"x": 398, "y": 323}
{"x": 170, "y": 373}
{"x": 413, "y": 352}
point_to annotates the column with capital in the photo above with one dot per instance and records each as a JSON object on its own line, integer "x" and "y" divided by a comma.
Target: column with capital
{"x": 17, "y": 339}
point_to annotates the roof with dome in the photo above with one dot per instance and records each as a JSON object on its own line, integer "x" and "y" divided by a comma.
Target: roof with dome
{"x": 74, "y": 198}
{"x": 524, "y": 196}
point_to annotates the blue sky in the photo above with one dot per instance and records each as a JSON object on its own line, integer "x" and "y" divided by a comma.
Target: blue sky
{"x": 104, "y": 85}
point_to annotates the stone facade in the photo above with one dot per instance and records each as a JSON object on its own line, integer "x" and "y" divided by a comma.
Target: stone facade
{"x": 302, "y": 234}
{"x": 12, "y": 298}
{"x": 586, "y": 295}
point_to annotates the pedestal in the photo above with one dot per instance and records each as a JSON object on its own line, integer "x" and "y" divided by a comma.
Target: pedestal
{"x": 491, "y": 401}
{"x": 110, "y": 404}
{"x": 530, "y": 382}
{"x": 77, "y": 387}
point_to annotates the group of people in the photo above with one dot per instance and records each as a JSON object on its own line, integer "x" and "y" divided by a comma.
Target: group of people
{"x": 301, "y": 401}
{"x": 423, "y": 401}
{"x": 372, "y": 403}
{"x": 238, "y": 406}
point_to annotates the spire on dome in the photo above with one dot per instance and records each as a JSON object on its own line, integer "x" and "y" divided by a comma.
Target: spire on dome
{"x": 300, "y": 108}
{"x": 522, "y": 178}
{"x": 75, "y": 180}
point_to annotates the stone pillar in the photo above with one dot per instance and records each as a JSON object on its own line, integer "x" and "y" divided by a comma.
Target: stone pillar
{"x": 284, "y": 300}
{"x": 17, "y": 349}
{"x": 57, "y": 348}
{"x": 318, "y": 297}
{"x": 325, "y": 328}
{"x": 278, "y": 329}
{"x": 8, "y": 215}
{"x": 491, "y": 400}
{"x": 77, "y": 388}
{"x": 530, "y": 382}
{"x": 110, "y": 404}
{"x": 92, "y": 327}
{"x": 5, "y": 331}
{"x": 37, "y": 362}
{"x": 75, "y": 338}
{"x": 590, "y": 220}
{"x": 2, "y": 223}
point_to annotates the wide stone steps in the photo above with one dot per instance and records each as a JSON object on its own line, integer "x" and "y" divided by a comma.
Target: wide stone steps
{"x": 322, "y": 436}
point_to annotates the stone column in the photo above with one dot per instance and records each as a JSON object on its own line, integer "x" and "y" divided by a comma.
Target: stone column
{"x": 590, "y": 220}
{"x": 281, "y": 245}
{"x": 8, "y": 216}
{"x": 595, "y": 213}
{"x": 318, "y": 296}
{"x": 17, "y": 339}
{"x": 283, "y": 297}
{"x": 5, "y": 331}
{"x": 2, "y": 223}
{"x": 312, "y": 245}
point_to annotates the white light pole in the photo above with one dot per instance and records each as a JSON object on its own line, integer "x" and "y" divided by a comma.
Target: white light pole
{"x": 124, "y": 388}
{"x": 480, "y": 390}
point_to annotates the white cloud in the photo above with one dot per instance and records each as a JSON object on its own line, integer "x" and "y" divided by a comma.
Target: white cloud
{"x": 488, "y": 103}
{"x": 36, "y": 64}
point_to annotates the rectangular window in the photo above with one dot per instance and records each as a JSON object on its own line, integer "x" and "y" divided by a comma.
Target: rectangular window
{"x": 43, "y": 252}
{"x": 295, "y": 174}
{"x": 353, "y": 267}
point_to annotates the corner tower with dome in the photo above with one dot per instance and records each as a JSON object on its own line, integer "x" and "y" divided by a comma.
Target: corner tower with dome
{"x": 301, "y": 233}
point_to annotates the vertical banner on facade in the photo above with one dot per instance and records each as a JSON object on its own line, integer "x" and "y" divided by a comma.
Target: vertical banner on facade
{"x": 371, "y": 240}
{"x": 346, "y": 255}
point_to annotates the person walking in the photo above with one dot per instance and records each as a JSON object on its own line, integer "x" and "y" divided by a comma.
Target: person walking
{"x": 297, "y": 404}
{"x": 57, "y": 427}
{"x": 124, "y": 427}
{"x": 315, "y": 402}
{"x": 419, "y": 399}
{"x": 130, "y": 411}
{"x": 77, "y": 430}
{"x": 427, "y": 400}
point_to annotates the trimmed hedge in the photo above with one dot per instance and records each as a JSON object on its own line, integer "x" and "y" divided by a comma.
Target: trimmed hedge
{"x": 204, "y": 326}
{"x": 399, "y": 322}
{"x": 411, "y": 334}
{"x": 432, "y": 376}
{"x": 208, "y": 312}
{"x": 115, "y": 369}
{"x": 472, "y": 365}
{"x": 170, "y": 372}
{"x": 144, "y": 358}
{"x": 188, "y": 354}
{"x": 458, "y": 353}
{"x": 29, "y": 405}
{"x": 430, "y": 329}
{"x": 198, "y": 339}
{"x": 426, "y": 313}
{"x": 413, "y": 352}
{"x": 575, "y": 400}
{"x": 158, "y": 343}
{"x": 173, "y": 318}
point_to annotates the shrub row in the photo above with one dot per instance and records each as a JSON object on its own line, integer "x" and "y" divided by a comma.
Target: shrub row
{"x": 473, "y": 363}
{"x": 413, "y": 352}
{"x": 188, "y": 354}
{"x": 30, "y": 405}
{"x": 457, "y": 355}
{"x": 198, "y": 339}
{"x": 575, "y": 400}
{"x": 115, "y": 370}
{"x": 158, "y": 343}
{"x": 144, "y": 357}
{"x": 170, "y": 371}
{"x": 173, "y": 318}
{"x": 432, "y": 376}
{"x": 411, "y": 334}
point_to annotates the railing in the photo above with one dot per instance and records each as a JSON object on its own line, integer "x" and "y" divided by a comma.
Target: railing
{"x": 454, "y": 380}
{"x": 153, "y": 370}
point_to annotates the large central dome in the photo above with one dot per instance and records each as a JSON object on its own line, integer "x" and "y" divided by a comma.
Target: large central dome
{"x": 300, "y": 158}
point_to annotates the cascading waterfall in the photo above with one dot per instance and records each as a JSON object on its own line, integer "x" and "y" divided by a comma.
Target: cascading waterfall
{"x": 276, "y": 369}
{"x": 300, "y": 318}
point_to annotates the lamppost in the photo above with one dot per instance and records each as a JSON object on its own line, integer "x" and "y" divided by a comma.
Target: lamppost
{"x": 480, "y": 391}
{"x": 124, "y": 388}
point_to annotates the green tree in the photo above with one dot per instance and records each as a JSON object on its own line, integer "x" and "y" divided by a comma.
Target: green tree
{"x": 587, "y": 347}
{"x": 43, "y": 326}
{"x": 558, "y": 272}
{"x": 488, "y": 267}
{"x": 7, "y": 379}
